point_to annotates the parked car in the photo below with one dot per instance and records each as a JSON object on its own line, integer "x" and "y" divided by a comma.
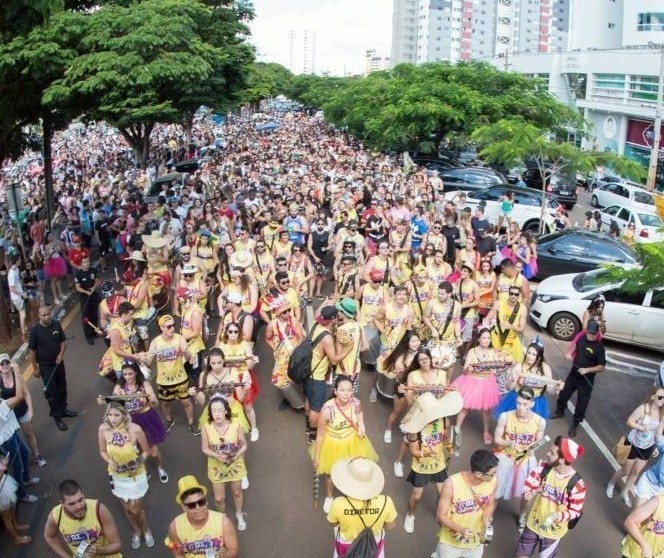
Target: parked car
{"x": 559, "y": 302}
{"x": 172, "y": 181}
{"x": 433, "y": 163}
{"x": 599, "y": 179}
{"x": 562, "y": 190}
{"x": 470, "y": 178}
{"x": 622, "y": 193}
{"x": 576, "y": 250}
{"x": 527, "y": 205}
{"x": 647, "y": 224}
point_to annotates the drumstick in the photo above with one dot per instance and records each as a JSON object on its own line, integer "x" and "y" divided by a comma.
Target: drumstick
{"x": 101, "y": 399}
{"x": 93, "y": 326}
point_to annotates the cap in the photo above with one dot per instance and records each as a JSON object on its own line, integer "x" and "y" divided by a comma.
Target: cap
{"x": 376, "y": 275}
{"x": 234, "y": 297}
{"x": 4, "y": 356}
{"x": 570, "y": 450}
{"x": 328, "y": 312}
{"x": 592, "y": 327}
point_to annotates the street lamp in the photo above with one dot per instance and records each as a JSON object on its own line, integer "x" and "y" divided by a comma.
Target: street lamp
{"x": 654, "y": 154}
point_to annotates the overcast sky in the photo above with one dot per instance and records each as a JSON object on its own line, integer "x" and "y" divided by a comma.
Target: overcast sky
{"x": 344, "y": 30}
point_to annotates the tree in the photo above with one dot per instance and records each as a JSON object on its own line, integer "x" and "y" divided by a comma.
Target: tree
{"x": 266, "y": 80}
{"x": 150, "y": 62}
{"x": 512, "y": 142}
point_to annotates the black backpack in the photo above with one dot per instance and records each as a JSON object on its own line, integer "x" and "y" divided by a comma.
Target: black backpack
{"x": 299, "y": 362}
{"x": 568, "y": 491}
{"x": 364, "y": 545}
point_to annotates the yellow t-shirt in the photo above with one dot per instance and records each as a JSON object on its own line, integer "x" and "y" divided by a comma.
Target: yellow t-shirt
{"x": 466, "y": 510}
{"x": 439, "y": 315}
{"x": 432, "y": 437}
{"x": 124, "y": 455}
{"x": 125, "y": 344}
{"x": 76, "y": 531}
{"x": 373, "y": 298}
{"x": 504, "y": 283}
{"x": 520, "y": 432}
{"x": 349, "y": 333}
{"x": 195, "y": 542}
{"x": 195, "y": 344}
{"x": 375, "y": 513}
{"x": 652, "y": 531}
{"x": 225, "y": 471}
{"x": 551, "y": 498}
{"x": 170, "y": 365}
{"x": 319, "y": 364}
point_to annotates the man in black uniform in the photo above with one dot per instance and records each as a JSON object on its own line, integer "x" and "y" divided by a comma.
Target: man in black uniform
{"x": 86, "y": 282}
{"x": 47, "y": 350}
{"x": 588, "y": 359}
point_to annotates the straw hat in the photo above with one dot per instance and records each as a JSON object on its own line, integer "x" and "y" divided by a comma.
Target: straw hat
{"x": 358, "y": 477}
{"x": 137, "y": 256}
{"x": 241, "y": 258}
{"x": 187, "y": 483}
{"x": 189, "y": 269}
{"x": 154, "y": 240}
{"x": 427, "y": 408}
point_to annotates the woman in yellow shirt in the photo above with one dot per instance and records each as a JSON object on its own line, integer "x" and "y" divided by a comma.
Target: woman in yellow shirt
{"x": 124, "y": 447}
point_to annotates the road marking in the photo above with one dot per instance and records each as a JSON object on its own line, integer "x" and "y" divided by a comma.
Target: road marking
{"x": 308, "y": 317}
{"x": 625, "y": 365}
{"x": 652, "y": 361}
{"x": 69, "y": 318}
{"x": 605, "y": 451}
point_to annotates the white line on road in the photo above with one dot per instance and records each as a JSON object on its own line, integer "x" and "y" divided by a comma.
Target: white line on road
{"x": 606, "y": 452}
{"x": 625, "y": 364}
{"x": 653, "y": 361}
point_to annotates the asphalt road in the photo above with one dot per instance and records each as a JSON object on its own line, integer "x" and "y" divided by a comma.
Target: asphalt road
{"x": 279, "y": 504}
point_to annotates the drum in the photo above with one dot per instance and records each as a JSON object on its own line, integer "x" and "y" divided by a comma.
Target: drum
{"x": 160, "y": 300}
{"x": 292, "y": 394}
{"x": 385, "y": 384}
{"x": 443, "y": 355}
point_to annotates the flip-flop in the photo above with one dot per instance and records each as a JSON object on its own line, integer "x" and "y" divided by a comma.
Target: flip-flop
{"x": 23, "y": 539}
{"x": 488, "y": 439}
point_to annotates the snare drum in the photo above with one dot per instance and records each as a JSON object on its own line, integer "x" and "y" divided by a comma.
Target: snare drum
{"x": 443, "y": 355}
{"x": 293, "y": 395}
{"x": 386, "y": 384}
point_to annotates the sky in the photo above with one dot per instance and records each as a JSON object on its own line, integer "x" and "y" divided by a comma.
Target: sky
{"x": 344, "y": 31}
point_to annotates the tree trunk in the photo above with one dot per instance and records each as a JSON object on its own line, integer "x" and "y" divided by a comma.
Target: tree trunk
{"x": 138, "y": 138}
{"x": 188, "y": 126}
{"x": 47, "y": 131}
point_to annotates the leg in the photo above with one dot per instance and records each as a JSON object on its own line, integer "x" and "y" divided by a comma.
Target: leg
{"x": 566, "y": 393}
{"x": 238, "y": 499}
{"x": 156, "y": 455}
{"x": 584, "y": 391}
{"x": 167, "y": 411}
{"x": 9, "y": 521}
{"x": 485, "y": 422}
{"x": 403, "y": 448}
{"x": 329, "y": 487}
{"x": 29, "y": 434}
{"x": 415, "y": 497}
{"x": 461, "y": 417}
{"x": 188, "y": 410}
{"x": 131, "y": 518}
{"x": 251, "y": 414}
{"x": 398, "y": 408}
{"x": 638, "y": 465}
{"x": 219, "y": 491}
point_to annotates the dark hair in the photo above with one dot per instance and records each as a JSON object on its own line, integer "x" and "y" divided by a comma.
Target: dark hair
{"x": 400, "y": 349}
{"x": 133, "y": 365}
{"x": 280, "y": 276}
{"x": 482, "y": 461}
{"x": 227, "y": 407}
{"x": 342, "y": 378}
{"x": 415, "y": 365}
{"x": 68, "y": 487}
{"x": 446, "y": 286}
{"x": 526, "y": 393}
{"x": 125, "y": 307}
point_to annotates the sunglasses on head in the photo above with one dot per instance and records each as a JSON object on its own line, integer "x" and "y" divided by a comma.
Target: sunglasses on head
{"x": 196, "y": 504}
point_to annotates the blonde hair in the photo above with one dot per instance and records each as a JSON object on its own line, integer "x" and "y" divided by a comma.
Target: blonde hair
{"x": 118, "y": 406}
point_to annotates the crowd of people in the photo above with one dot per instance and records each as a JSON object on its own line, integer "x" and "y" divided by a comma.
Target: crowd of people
{"x": 401, "y": 284}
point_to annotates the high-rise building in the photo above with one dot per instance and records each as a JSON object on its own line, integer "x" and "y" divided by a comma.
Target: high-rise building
{"x": 376, "y": 62}
{"x": 302, "y": 51}
{"x": 404, "y": 31}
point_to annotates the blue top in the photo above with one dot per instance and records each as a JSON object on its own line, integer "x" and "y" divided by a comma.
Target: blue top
{"x": 419, "y": 228}
{"x": 655, "y": 473}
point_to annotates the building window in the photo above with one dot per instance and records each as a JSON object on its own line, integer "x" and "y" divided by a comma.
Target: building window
{"x": 650, "y": 21}
{"x": 643, "y": 88}
{"x": 612, "y": 25}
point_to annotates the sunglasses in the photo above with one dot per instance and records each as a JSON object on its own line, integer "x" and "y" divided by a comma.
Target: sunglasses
{"x": 5, "y": 362}
{"x": 233, "y": 331}
{"x": 296, "y": 250}
{"x": 284, "y": 283}
{"x": 514, "y": 294}
{"x": 659, "y": 397}
{"x": 169, "y": 326}
{"x": 196, "y": 504}
{"x": 187, "y": 274}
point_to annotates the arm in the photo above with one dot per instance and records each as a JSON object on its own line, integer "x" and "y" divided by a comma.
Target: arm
{"x": 499, "y": 437}
{"x": 20, "y": 390}
{"x": 332, "y": 354}
{"x": 110, "y": 529}
{"x": 230, "y": 538}
{"x": 323, "y": 419}
{"x": 443, "y": 509}
{"x": 51, "y": 536}
{"x": 116, "y": 343}
{"x": 175, "y": 548}
{"x": 634, "y": 521}
{"x": 101, "y": 443}
{"x": 635, "y": 417}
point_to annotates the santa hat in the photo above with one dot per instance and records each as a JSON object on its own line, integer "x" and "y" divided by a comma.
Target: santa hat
{"x": 570, "y": 450}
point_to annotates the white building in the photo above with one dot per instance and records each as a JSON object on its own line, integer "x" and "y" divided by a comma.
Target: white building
{"x": 375, "y": 61}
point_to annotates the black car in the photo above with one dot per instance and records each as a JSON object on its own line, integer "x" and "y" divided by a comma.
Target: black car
{"x": 563, "y": 190}
{"x": 470, "y": 178}
{"x": 434, "y": 163}
{"x": 576, "y": 250}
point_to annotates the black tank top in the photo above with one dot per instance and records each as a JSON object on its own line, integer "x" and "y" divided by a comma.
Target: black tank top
{"x": 318, "y": 241}
{"x": 7, "y": 393}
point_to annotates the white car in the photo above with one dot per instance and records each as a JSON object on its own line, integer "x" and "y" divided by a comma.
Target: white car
{"x": 559, "y": 302}
{"x": 647, "y": 224}
{"x": 622, "y": 193}
{"x": 527, "y": 208}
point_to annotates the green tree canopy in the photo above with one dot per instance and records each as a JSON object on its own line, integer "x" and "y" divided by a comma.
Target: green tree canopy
{"x": 266, "y": 79}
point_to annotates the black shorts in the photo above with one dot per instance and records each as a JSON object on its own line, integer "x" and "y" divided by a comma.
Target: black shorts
{"x": 316, "y": 393}
{"x": 169, "y": 393}
{"x": 419, "y": 480}
{"x": 639, "y": 453}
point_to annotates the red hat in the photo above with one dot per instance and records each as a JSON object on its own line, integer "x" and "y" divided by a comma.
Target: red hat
{"x": 376, "y": 275}
{"x": 570, "y": 450}
{"x": 183, "y": 292}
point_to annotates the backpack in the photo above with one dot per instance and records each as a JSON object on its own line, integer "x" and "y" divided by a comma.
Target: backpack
{"x": 299, "y": 362}
{"x": 364, "y": 545}
{"x": 568, "y": 491}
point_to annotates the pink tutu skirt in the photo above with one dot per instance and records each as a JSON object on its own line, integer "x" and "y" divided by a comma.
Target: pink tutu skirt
{"x": 55, "y": 267}
{"x": 478, "y": 392}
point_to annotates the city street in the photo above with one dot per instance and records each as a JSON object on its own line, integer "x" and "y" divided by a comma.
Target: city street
{"x": 279, "y": 504}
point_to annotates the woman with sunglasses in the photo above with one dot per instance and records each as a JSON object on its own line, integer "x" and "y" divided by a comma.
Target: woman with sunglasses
{"x": 644, "y": 423}
{"x": 239, "y": 355}
{"x": 124, "y": 447}
{"x": 224, "y": 269}
{"x": 224, "y": 443}
{"x": 302, "y": 271}
{"x": 628, "y": 236}
{"x": 436, "y": 238}
{"x": 142, "y": 409}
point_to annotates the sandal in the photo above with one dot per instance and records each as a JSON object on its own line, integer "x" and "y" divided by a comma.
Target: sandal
{"x": 488, "y": 439}
{"x": 23, "y": 539}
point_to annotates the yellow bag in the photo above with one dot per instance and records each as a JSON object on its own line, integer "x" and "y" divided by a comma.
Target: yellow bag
{"x": 621, "y": 450}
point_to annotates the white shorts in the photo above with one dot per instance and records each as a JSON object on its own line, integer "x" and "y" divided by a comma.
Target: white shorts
{"x": 130, "y": 488}
{"x": 449, "y": 551}
{"x": 645, "y": 489}
{"x": 510, "y": 478}
{"x": 18, "y": 302}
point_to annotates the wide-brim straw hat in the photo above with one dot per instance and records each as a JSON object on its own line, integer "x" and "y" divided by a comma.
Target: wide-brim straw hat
{"x": 358, "y": 477}
{"x": 137, "y": 256}
{"x": 427, "y": 408}
{"x": 241, "y": 258}
{"x": 154, "y": 240}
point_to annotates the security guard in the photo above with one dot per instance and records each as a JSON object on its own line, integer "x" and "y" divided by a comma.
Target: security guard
{"x": 86, "y": 282}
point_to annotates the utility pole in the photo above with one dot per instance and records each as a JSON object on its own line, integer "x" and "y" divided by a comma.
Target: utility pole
{"x": 654, "y": 154}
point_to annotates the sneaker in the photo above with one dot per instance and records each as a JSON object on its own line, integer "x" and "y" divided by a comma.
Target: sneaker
{"x": 327, "y": 504}
{"x": 40, "y": 460}
{"x": 610, "y": 489}
{"x": 409, "y": 523}
{"x": 33, "y": 480}
{"x": 241, "y": 522}
{"x": 398, "y": 469}
{"x": 373, "y": 395}
{"x": 149, "y": 539}
{"x": 29, "y": 498}
{"x": 135, "y": 541}
{"x": 244, "y": 483}
{"x": 163, "y": 476}
{"x": 521, "y": 524}
{"x": 626, "y": 499}
{"x": 387, "y": 437}
{"x": 169, "y": 424}
{"x": 254, "y": 435}
{"x": 194, "y": 429}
